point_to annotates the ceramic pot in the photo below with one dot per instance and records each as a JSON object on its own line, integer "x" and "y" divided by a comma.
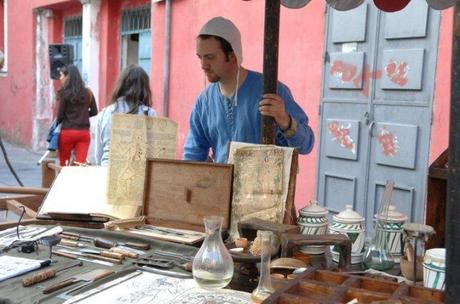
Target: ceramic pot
{"x": 391, "y": 227}
{"x": 349, "y": 223}
{"x": 313, "y": 221}
{"x": 434, "y": 268}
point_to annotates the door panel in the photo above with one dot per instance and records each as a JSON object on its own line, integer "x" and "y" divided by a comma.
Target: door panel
{"x": 376, "y": 108}
{"x": 145, "y": 42}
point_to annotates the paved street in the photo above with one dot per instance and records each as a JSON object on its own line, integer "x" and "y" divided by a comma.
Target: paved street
{"x": 24, "y": 162}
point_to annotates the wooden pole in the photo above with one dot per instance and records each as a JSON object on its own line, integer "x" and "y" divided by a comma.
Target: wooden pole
{"x": 452, "y": 290}
{"x": 271, "y": 42}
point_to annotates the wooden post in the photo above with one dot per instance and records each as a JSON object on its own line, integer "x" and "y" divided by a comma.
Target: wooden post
{"x": 271, "y": 41}
{"x": 48, "y": 174}
{"x": 452, "y": 291}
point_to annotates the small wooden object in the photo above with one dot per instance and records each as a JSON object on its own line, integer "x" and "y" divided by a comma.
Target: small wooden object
{"x": 289, "y": 241}
{"x": 329, "y": 287}
{"x": 179, "y": 194}
{"x": 248, "y": 228}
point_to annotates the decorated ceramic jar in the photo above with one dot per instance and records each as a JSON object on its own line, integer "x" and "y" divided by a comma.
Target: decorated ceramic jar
{"x": 391, "y": 226}
{"x": 434, "y": 268}
{"x": 349, "y": 223}
{"x": 313, "y": 221}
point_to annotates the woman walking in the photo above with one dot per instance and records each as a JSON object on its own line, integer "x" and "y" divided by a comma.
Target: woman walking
{"x": 76, "y": 106}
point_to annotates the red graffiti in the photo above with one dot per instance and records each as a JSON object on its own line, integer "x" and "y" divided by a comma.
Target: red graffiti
{"x": 345, "y": 71}
{"x": 388, "y": 142}
{"x": 348, "y": 72}
{"x": 397, "y": 72}
{"x": 341, "y": 134}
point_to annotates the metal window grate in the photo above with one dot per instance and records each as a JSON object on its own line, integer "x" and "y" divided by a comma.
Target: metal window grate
{"x": 73, "y": 27}
{"x": 135, "y": 20}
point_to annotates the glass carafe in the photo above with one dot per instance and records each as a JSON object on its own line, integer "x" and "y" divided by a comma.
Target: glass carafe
{"x": 265, "y": 288}
{"x": 377, "y": 255}
{"x": 213, "y": 264}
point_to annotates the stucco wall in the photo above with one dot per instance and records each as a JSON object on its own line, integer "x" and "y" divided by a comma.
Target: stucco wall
{"x": 300, "y": 62}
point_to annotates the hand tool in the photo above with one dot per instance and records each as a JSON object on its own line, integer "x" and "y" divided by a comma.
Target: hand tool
{"x": 102, "y": 287}
{"x": 124, "y": 252}
{"x": 104, "y": 243}
{"x": 91, "y": 276}
{"x": 167, "y": 254}
{"x": 90, "y": 255}
{"x": 167, "y": 272}
{"x": 75, "y": 257}
{"x": 45, "y": 275}
{"x": 163, "y": 263}
{"x": 87, "y": 249}
{"x": 169, "y": 231}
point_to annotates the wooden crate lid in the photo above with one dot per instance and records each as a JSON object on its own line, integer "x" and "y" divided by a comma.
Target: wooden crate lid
{"x": 180, "y": 193}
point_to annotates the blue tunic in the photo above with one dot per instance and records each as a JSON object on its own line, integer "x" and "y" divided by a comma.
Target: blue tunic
{"x": 216, "y": 120}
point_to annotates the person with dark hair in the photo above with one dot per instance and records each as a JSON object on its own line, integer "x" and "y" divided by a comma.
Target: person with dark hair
{"x": 131, "y": 95}
{"x": 76, "y": 106}
{"x": 230, "y": 108}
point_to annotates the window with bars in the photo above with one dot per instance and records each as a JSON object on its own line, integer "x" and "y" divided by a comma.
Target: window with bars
{"x": 135, "y": 20}
{"x": 73, "y": 27}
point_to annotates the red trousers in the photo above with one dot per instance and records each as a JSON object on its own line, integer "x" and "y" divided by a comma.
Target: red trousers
{"x": 77, "y": 140}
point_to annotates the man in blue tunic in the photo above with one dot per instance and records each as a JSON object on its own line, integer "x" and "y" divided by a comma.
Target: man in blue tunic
{"x": 230, "y": 108}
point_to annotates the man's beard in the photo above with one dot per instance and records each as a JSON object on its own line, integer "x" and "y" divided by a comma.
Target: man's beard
{"x": 212, "y": 78}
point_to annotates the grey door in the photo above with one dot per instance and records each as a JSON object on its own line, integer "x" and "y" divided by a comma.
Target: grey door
{"x": 378, "y": 83}
{"x": 145, "y": 43}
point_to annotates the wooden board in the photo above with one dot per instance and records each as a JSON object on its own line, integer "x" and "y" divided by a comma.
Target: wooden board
{"x": 324, "y": 286}
{"x": 180, "y": 193}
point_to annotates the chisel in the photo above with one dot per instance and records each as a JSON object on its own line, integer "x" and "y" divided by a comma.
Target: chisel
{"x": 87, "y": 249}
{"x": 103, "y": 243}
{"x": 45, "y": 275}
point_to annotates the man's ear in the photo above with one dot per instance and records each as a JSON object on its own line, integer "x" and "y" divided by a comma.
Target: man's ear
{"x": 232, "y": 57}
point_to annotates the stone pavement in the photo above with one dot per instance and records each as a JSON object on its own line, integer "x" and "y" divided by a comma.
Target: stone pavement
{"x": 24, "y": 162}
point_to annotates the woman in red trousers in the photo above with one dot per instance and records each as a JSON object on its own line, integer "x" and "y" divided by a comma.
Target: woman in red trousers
{"x": 76, "y": 106}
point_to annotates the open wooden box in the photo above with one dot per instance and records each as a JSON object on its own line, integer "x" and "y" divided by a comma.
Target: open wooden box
{"x": 178, "y": 194}
{"x": 324, "y": 286}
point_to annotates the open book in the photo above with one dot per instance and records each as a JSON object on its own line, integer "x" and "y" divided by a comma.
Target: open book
{"x": 81, "y": 191}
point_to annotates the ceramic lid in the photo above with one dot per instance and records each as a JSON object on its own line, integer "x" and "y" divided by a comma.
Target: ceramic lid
{"x": 437, "y": 255}
{"x": 393, "y": 215}
{"x": 348, "y": 216}
{"x": 313, "y": 209}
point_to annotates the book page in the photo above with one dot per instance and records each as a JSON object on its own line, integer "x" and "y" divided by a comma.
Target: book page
{"x": 82, "y": 190}
{"x": 260, "y": 182}
{"x": 135, "y": 138}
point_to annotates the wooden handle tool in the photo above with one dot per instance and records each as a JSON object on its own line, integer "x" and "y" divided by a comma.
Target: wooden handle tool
{"x": 125, "y": 253}
{"x": 45, "y": 275}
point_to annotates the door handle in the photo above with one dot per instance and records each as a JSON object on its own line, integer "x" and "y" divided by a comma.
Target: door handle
{"x": 370, "y": 128}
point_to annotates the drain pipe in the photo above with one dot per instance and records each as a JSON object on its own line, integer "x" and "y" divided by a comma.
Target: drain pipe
{"x": 166, "y": 58}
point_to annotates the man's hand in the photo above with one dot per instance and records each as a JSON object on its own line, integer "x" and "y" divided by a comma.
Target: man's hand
{"x": 272, "y": 105}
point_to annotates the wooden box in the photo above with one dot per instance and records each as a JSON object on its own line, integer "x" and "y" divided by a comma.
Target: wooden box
{"x": 179, "y": 193}
{"x": 324, "y": 286}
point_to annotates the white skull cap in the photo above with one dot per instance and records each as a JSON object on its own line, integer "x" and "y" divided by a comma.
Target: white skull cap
{"x": 224, "y": 28}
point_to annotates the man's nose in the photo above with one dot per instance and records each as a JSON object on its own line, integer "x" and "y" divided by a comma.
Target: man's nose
{"x": 204, "y": 64}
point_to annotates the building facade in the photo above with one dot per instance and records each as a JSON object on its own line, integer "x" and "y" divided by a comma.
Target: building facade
{"x": 106, "y": 35}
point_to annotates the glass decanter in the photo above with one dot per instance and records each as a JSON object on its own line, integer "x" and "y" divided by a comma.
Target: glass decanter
{"x": 264, "y": 288}
{"x": 213, "y": 264}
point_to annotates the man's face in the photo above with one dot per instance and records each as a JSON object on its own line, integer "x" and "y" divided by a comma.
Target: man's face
{"x": 214, "y": 62}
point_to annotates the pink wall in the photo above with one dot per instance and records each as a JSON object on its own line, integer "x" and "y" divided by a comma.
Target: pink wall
{"x": 441, "y": 105}
{"x": 17, "y": 87}
{"x": 299, "y": 61}
{"x": 1, "y": 25}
